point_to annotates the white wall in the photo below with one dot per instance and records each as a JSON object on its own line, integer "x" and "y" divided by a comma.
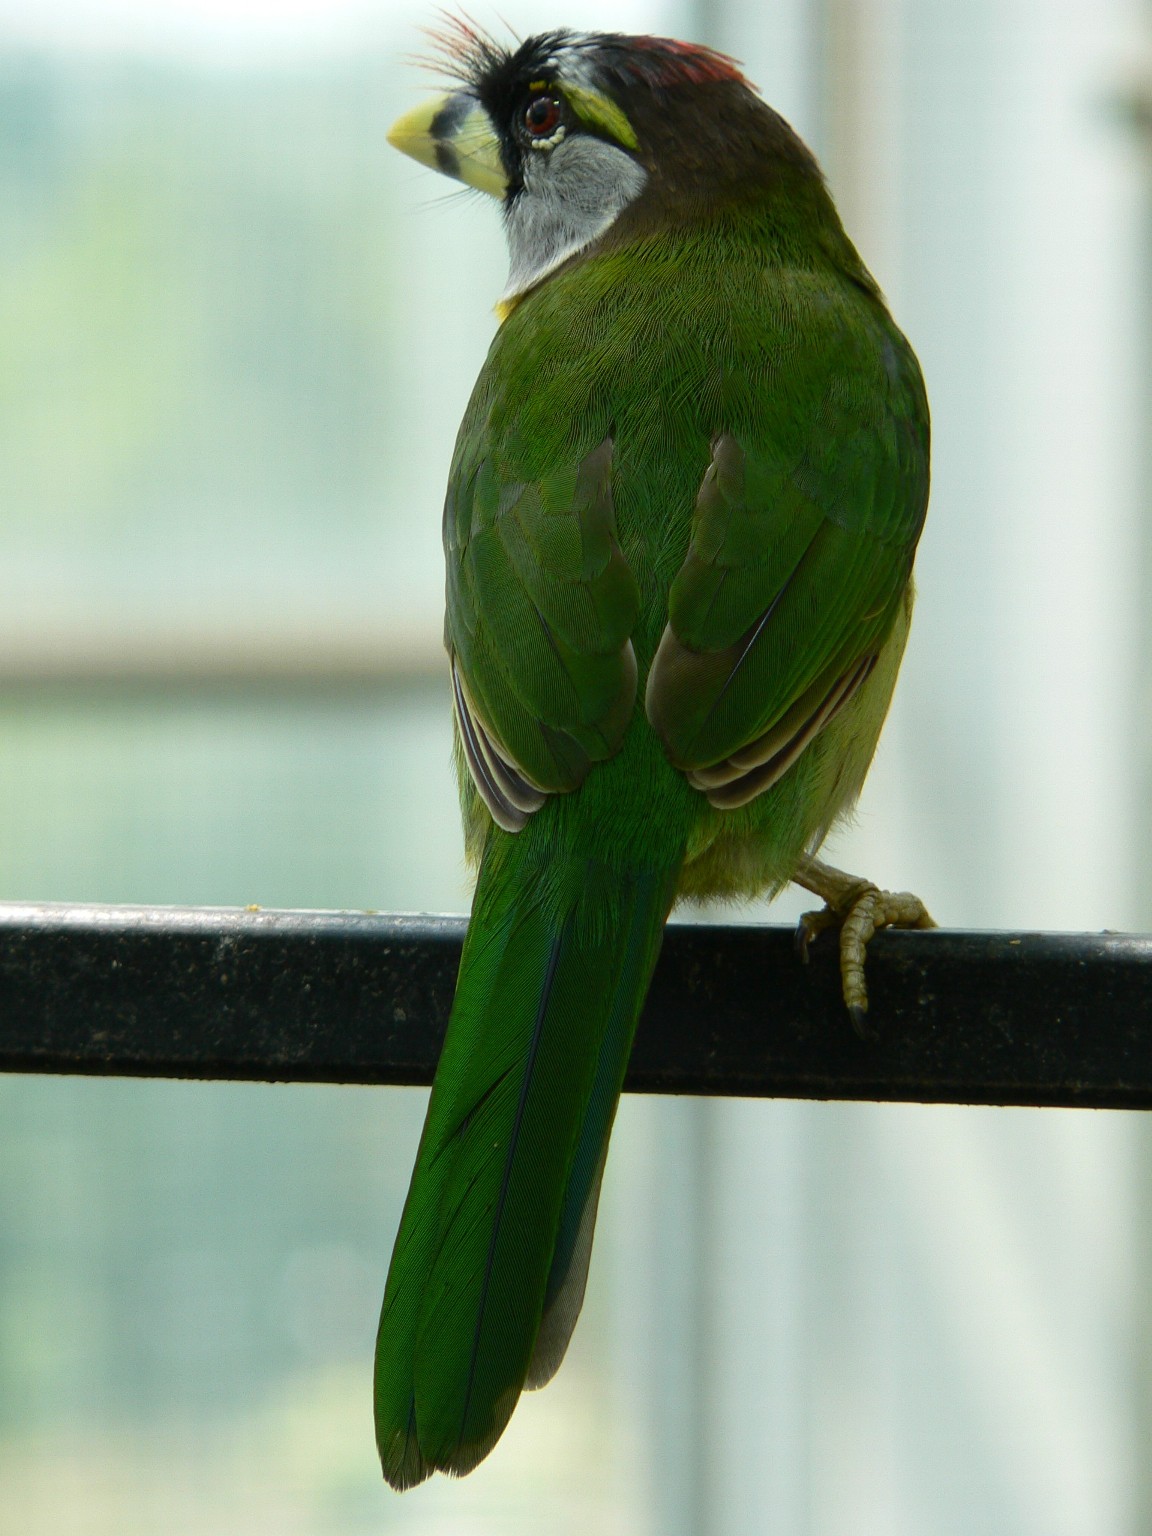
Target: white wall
{"x": 924, "y": 1317}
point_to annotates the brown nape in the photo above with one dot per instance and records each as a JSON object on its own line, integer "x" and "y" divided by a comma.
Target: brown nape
{"x": 715, "y": 144}
{"x": 715, "y": 147}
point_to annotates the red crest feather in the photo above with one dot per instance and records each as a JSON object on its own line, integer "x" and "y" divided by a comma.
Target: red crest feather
{"x": 663, "y": 61}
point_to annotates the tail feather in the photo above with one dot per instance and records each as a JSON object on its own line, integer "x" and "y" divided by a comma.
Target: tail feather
{"x": 568, "y": 1277}
{"x": 497, "y": 1228}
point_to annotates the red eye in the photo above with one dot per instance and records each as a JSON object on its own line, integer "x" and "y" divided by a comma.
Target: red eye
{"x": 542, "y": 116}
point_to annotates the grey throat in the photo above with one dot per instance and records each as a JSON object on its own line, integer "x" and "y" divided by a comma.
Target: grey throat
{"x": 572, "y": 193}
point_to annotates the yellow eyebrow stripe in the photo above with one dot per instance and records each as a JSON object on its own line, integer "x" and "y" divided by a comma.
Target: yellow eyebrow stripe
{"x": 599, "y": 111}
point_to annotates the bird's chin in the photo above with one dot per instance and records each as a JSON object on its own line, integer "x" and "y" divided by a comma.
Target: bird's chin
{"x": 556, "y": 215}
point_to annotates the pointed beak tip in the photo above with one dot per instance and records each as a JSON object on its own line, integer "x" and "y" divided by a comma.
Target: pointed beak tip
{"x": 411, "y": 133}
{"x": 416, "y": 146}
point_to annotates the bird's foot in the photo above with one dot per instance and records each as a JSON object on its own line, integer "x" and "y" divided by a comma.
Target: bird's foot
{"x": 858, "y": 908}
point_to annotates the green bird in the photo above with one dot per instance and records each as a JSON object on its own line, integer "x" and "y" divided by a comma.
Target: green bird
{"x": 679, "y": 528}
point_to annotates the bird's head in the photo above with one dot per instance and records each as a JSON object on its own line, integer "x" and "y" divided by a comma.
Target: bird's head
{"x": 569, "y": 130}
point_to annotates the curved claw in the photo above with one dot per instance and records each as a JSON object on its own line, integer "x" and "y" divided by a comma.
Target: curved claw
{"x": 861, "y": 1028}
{"x": 810, "y": 926}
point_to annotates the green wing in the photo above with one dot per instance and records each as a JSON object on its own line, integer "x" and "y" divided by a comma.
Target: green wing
{"x": 541, "y": 607}
{"x": 801, "y": 550}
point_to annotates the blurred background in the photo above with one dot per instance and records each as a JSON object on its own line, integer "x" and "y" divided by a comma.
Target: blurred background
{"x": 236, "y": 336}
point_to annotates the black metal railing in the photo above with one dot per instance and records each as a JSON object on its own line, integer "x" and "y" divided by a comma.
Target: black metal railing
{"x": 991, "y": 1018}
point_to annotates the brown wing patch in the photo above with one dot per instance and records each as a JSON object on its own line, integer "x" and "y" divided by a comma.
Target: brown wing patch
{"x": 763, "y": 762}
{"x": 509, "y": 796}
{"x": 788, "y": 591}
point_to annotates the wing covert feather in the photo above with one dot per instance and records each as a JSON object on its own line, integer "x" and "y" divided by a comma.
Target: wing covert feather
{"x": 796, "y": 567}
{"x": 540, "y": 612}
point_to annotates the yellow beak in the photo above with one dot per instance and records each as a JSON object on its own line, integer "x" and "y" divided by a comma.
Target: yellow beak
{"x": 453, "y": 134}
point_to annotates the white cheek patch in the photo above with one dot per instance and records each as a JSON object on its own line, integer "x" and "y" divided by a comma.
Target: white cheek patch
{"x": 570, "y": 197}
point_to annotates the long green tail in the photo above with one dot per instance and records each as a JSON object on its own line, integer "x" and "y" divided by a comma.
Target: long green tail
{"x": 488, "y": 1272}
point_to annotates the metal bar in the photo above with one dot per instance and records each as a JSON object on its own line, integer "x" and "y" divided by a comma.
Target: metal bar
{"x": 95, "y": 658}
{"x": 992, "y": 1018}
